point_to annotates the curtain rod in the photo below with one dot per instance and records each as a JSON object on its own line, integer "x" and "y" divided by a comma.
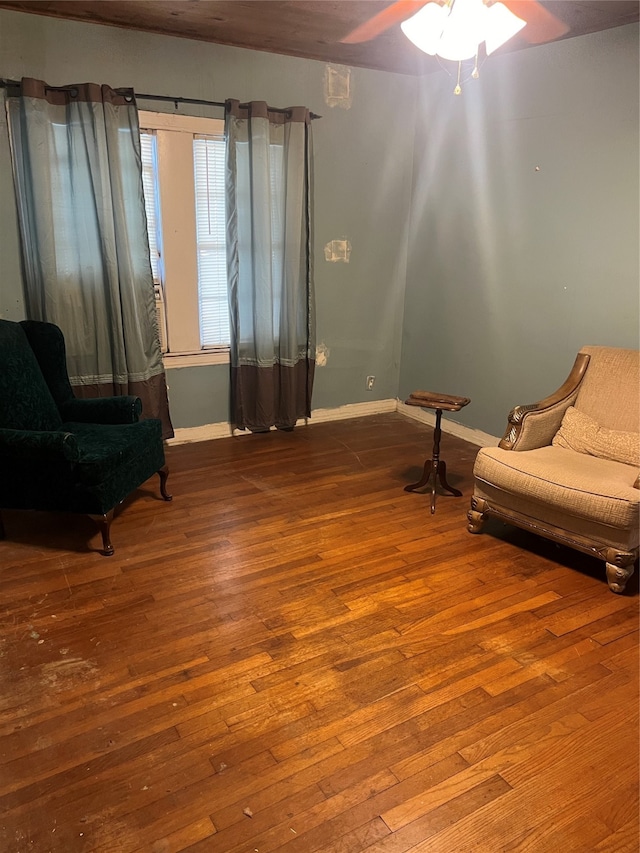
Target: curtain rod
{"x": 177, "y": 101}
{"x": 4, "y": 83}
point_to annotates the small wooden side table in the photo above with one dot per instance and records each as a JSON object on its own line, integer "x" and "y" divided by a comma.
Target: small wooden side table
{"x": 435, "y": 469}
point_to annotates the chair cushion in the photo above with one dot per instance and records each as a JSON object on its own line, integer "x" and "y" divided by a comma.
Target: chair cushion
{"x": 583, "y": 434}
{"x": 575, "y": 483}
{"x": 25, "y": 399}
{"x": 104, "y": 448}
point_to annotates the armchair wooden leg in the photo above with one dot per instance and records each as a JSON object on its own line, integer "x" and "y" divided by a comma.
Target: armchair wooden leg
{"x": 104, "y": 523}
{"x": 164, "y": 473}
{"x": 475, "y": 515}
{"x": 620, "y": 566}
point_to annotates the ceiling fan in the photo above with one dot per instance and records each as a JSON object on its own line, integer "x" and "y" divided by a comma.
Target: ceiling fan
{"x": 456, "y": 29}
{"x": 541, "y": 25}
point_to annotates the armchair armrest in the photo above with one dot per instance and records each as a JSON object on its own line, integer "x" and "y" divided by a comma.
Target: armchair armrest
{"x": 102, "y": 410}
{"x": 534, "y": 425}
{"x": 38, "y": 445}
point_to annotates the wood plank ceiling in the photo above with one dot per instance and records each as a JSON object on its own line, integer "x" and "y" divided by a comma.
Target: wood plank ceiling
{"x": 306, "y": 28}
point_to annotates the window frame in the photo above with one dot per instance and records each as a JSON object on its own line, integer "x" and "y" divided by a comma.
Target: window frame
{"x": 179, "y": 264}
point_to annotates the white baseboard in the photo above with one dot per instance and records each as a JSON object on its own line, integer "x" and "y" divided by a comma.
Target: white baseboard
{"x": 208, "y": 432}
{"x": 473, "y": 436}
{"x": 352, "y": 410}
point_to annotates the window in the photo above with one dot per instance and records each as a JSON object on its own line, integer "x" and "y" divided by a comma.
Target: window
{"x": 183, "y": 160}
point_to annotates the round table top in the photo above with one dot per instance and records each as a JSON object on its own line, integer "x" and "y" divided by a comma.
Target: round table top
{"x": 433, "y": 400}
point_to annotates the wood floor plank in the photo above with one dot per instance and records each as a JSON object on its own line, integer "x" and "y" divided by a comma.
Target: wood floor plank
{"x": 295, "y": 655}
{"x": 435, "y": 796}
{"x": 411, "y": 836}
{"x": 565, "y": 797}
{"x": 623, "y": 840}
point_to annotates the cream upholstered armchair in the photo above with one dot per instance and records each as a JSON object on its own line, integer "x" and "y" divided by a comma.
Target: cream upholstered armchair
{"x": 568, "y": 467}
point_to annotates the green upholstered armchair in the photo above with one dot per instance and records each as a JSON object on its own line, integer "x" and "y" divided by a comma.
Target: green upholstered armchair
{"x": 59, "y": 453}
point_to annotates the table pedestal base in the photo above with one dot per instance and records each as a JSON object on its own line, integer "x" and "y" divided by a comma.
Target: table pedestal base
{"x": 435, "y": 469}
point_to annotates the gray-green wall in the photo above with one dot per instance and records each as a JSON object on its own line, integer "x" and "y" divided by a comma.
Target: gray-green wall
{"x": 471, "y": 272}
{"x": 363, "y": 169}
{"x": 524, "y": 224}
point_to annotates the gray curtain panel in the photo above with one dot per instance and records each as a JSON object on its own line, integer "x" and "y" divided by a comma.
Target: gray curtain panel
{"x": 85, "y": 250}
{"x": 270, "y": 264}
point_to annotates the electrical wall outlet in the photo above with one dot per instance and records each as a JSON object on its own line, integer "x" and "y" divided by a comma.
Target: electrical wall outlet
{"x": 370, "y": 382}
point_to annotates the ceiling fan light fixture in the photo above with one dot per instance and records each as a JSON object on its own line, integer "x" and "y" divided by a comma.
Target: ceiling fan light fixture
{"x": 455, "y": 30}
{"x": 501, "y": 25}
{"x": 425, "y": 28}
{"x": 463, "y": 31}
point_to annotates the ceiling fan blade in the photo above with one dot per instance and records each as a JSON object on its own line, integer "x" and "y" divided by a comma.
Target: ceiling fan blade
{"x": 542, "y": 26}
{"x": 393, "y": 14}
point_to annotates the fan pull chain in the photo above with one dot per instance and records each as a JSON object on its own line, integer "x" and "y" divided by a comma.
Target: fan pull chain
{"x": 457, "y": 90}
{"x": 475, "y": 73}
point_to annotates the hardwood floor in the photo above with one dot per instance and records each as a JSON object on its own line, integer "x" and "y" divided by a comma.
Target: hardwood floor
{"x": 296, "y": 656}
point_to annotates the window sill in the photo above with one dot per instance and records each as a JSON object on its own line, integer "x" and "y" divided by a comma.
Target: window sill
{"x": 197, "y": 359}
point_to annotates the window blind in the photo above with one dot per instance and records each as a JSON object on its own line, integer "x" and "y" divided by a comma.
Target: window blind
{"x": 150, "y": 183}
{"x": 209, "y": 169}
